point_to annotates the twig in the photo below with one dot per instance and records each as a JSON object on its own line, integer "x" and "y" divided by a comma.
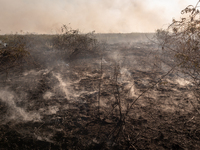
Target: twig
{"x": 99, "y": 93}
{"x": 128, "y": 110}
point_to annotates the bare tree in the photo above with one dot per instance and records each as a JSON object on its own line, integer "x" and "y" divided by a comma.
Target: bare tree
{"x": 181, "y": 40}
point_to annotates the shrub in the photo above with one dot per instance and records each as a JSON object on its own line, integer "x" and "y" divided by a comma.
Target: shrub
{"x": 182, "y": 40}
{"x": 73, "y": 43}
{"x": 14, "y": 54}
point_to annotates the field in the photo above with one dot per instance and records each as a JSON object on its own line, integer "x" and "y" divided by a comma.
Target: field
{"x": 115, "y": 93}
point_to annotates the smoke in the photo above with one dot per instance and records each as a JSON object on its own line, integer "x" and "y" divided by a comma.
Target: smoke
{"x": 16, "y": 104}
{"x": 183, "y": 82}
{"x": 64, "y": 86}
{"x": 47, "y": 16}
{"x": 14, "y": 112}
{"x": 48, "y": 95}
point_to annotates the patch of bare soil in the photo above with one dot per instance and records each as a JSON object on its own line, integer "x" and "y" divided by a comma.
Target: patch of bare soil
{"x": 77, "y": 106}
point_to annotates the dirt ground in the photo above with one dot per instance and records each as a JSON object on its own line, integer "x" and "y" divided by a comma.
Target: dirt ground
{"x": 85, "y": 104}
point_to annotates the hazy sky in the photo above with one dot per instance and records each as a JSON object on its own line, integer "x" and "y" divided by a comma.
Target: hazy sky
{"x": 47, "y": 16}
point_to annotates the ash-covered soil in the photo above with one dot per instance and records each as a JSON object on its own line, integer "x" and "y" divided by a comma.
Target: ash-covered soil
{"x": 85, "y": 104}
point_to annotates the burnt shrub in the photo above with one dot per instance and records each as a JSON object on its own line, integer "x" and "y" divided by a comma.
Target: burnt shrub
{"x": 73, "y": 44}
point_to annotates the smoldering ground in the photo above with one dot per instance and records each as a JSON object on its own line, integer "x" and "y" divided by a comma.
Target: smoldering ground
{"x": 65, "y": 102}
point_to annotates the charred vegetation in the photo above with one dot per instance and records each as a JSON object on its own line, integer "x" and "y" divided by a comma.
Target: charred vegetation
{"x": 75, "y": 91}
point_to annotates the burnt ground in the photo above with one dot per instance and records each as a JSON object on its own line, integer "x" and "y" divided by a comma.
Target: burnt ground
{"x": 77, "y": 104}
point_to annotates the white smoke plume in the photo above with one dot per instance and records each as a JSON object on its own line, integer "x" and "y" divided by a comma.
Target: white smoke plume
{"x": 47, "y": 16}
{"x": 15, "y": 112}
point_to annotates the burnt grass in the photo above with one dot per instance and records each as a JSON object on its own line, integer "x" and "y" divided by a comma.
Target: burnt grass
{"x": 70, "y": 117}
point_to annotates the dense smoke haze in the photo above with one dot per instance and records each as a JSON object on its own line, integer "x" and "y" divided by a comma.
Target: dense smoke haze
{"x": 47, "y": 16}
{"x": 123, "y": 87}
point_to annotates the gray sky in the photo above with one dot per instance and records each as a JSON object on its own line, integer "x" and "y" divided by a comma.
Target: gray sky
{"x": 47, "y": 16}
